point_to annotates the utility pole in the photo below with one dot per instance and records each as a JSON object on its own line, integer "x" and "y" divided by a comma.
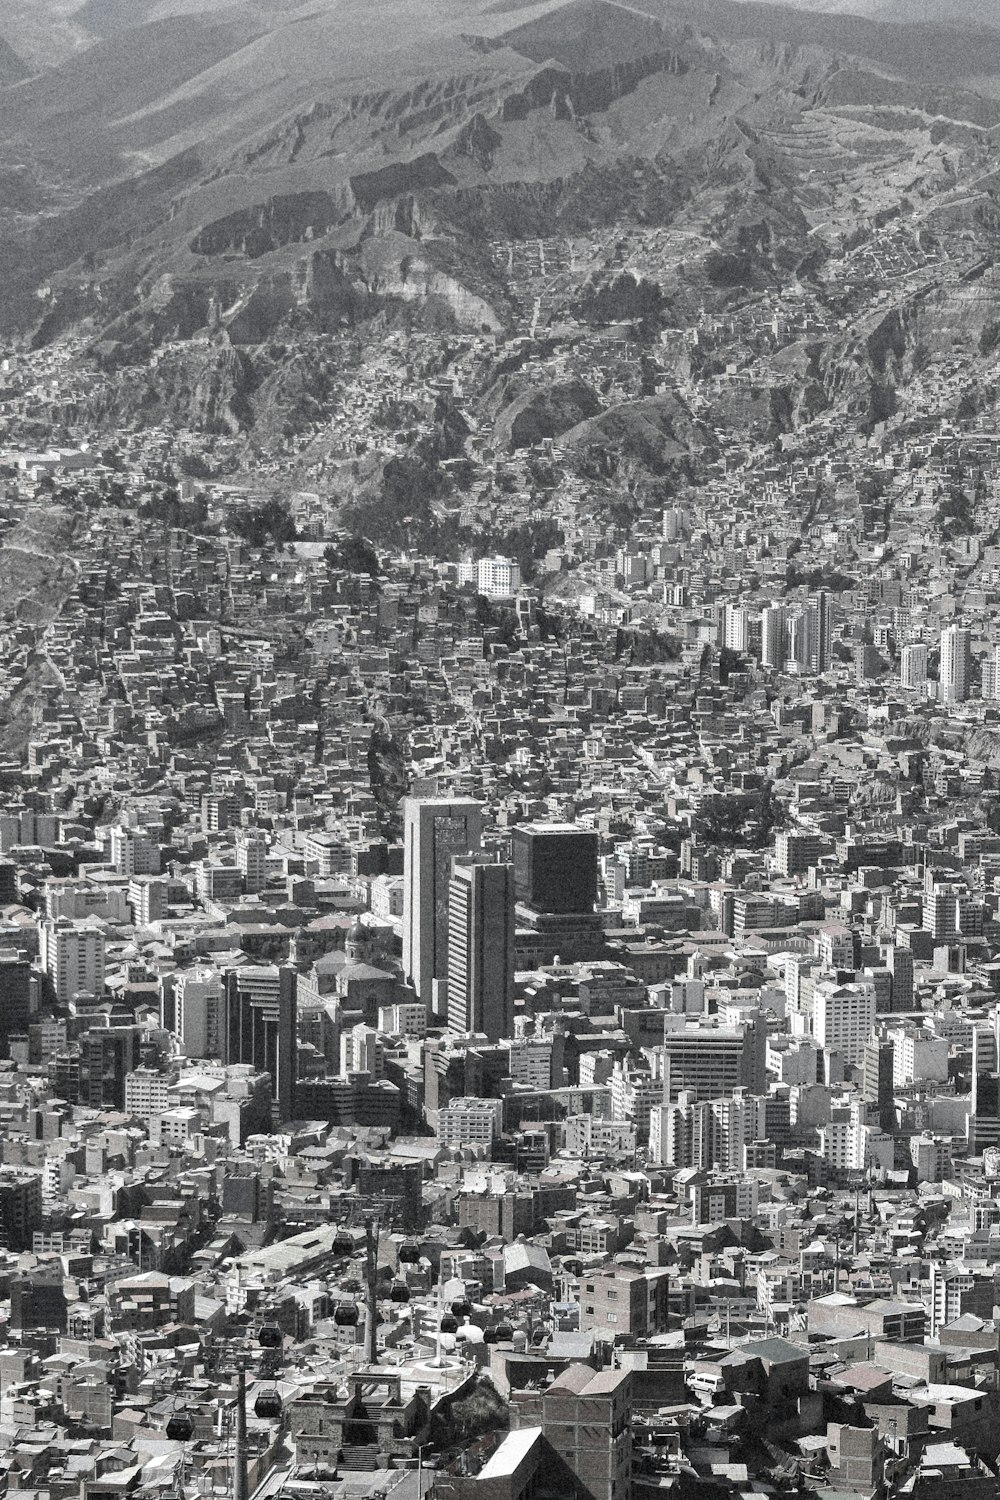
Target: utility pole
{"x": 371, "y": 1284}
{"x": 241, "y": 1479}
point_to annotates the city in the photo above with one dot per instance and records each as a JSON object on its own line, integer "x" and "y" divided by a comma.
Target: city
{"x": 499, "y": 751}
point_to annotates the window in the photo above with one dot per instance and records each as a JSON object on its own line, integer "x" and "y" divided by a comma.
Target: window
{"x": 612, "y": 1296}
{"x": 612, "y": 1317}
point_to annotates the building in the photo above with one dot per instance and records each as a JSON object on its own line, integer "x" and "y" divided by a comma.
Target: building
{"x": 200, "y": 1013}
{"x": 481, "y": 948}
{"x": 72, "y": 957}
{"x": 585, "y": 1416}
{"x": 20, "y": 1207}
{"x": 132, "y": 853}
{"x": 261, "y": 1027}
{"x": 913, "y": 668}
{"x": 555, "y": 867}
{"x": 843, "y": 1016}
{"x": 956, "y": 664}
{"x": 795, "y": 851}
{"x": 15, "y": 995}
{"x": 147, "y": 897}
{"x": 435, "y": 830}
{"x": 624, "y": 1303}
{"x": 773, "y": 636}
{"x": 498, "y": 577}
{"x": 710, "y": 1061}
{"x": 470, "y": 1122}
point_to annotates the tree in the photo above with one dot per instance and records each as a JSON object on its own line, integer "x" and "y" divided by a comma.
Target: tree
{"x": 270, "y": 522}
{"x": 355, "y": 554}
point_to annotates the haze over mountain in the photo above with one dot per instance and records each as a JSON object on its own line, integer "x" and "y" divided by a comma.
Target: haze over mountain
{"x": 242, "y": 172}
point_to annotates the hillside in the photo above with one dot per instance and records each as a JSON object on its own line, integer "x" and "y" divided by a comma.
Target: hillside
{"x": 255, "y": 172}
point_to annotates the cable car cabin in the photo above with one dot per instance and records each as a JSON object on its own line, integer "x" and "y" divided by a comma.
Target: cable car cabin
{"x": 268, "y": 1405}
{"x": 449, "y": 1323}
{"x": 180, "y": 1427}
{"x": 462, "y": 1308}
{"x": 539, "y": 1336}
{"x": 343, "y": 1244}
{"x": 409, "y": 1253}
{"x": 399, "y": 1292}
{"x": 345, "y": 1315}
{"x": 491, "y": 1336}
{"x": 504, "y": 1333}
{"x": 269, "y": 1336}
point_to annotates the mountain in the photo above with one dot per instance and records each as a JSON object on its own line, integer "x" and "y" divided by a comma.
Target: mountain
{"x": 254, "y": 172}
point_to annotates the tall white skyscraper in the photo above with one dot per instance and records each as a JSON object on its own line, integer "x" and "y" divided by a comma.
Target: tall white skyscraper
{"x": 773, "y": 644}
{"x": 435, "y": 829}
{"x": 956, "y": 664}
{"x": 913, "y": 667}
{"x": 736, "y": 627}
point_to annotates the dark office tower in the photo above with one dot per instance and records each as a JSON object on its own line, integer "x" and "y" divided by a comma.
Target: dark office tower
{"x": 8, "y": 884}
{"x": 984, "y": 1116}
{"x": 260, "y": 1027}
{"x": 107, "y": 1054}
{"x": 15, "y": 996}
{"x": 555, "y": 867}
{"x": 877, "y": 1085}
{"x": 481, "y": 948}
{"x": 899, "y": 962}
{"x": 20, "y": 1207}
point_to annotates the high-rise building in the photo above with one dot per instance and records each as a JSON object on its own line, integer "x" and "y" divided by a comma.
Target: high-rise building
{"x": 711, "y": 1061}
{"x": 736, "y": 627}
{"x": 819, "y": 617}
{"x": 956, "y": 664}
{"x": 260, "y": 1027}
{"x": 73, "y": 958}
{"x": 200, "y": 1013}
{"x": 795, "y": 850}
{"x": 20, "y": 1207}
{"x": 107, "y": 1055}
{"x": 361, "y": 1051}
{"x": 877, "y": 1085}
{"x": 555, "y": 887}
{"x": 481, "y": 948}
{"x": 132, "y": 853}
{"x": 15, "y": 995}
{"x": 899, "y": 962}
{"x": 843, "y": 1016}
{"x": 435, "y": 830}
{"x": 773, "y": 635}
{"x": 555, "y": 867}
{"x": 251, "y": 860}
{"x": 498, "y": 577}
{"x": 913, "y": 667}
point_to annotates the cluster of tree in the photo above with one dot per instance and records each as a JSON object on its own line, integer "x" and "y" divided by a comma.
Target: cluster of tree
{"x": 745, "y": 819}
{"x": 170, "y": 510}
{"x": 954, "y": 513}
{"x": 645, "y": 648}
{"x": 627, "y": 298}
{"x": 354, "y": 554}
{"x": 267, "y": 524}
{"x": 830, "y": 579}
